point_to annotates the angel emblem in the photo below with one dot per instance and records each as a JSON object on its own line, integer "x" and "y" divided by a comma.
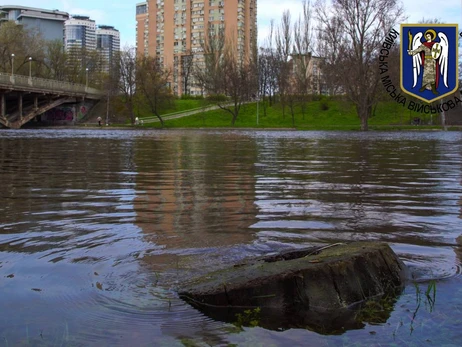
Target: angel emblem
{"x": 430, "y": 56}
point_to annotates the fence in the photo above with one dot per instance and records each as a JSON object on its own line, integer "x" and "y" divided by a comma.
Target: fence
{"x": 46, "y": 84}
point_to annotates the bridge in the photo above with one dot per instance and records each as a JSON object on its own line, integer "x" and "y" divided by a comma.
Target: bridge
{"x": 22, "y": 98}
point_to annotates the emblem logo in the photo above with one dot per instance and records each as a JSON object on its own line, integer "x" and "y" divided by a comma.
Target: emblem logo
{"x": 429, "y": 60}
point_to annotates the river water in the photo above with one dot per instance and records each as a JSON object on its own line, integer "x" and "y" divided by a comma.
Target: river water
{"x": 100, "y": 227}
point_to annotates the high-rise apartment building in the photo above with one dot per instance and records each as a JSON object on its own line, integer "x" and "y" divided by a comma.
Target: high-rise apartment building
{"x": 80, "y": 33}
{"x": 173, "y": 31}
{"x": 108, "y": 44}
{"x": 50, "y": 23}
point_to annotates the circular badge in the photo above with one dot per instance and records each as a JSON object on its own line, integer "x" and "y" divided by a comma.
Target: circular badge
{"x": 436, "y": 51}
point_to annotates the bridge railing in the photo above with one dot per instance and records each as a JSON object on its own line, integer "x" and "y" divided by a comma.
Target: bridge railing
{"x": 46, "y": 84}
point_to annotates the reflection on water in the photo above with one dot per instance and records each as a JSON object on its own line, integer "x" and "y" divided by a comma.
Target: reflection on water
{"x": 195, "y": 199}
{"x": 98, "y": 227}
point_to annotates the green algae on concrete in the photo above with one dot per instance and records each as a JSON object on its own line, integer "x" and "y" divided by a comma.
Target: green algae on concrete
{"x": 319, "y": 281}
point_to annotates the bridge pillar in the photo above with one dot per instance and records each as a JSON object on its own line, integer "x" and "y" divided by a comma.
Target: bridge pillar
{"x": 74, "y": 112}
{"x": 35, "y": 102}
{"x": 20, "y": 105}
{"x": 2, "y": 105}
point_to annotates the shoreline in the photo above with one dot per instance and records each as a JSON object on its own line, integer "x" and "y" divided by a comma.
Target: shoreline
{"x": 128, "y": 127}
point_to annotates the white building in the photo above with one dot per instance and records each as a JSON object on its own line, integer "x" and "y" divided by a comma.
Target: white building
{"x": 80, "y": 33}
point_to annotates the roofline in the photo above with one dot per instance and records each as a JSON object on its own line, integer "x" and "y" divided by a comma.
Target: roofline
{"x": 15, "y": 7}
{"x": 26, "y": 15}
{"x": 107, "y": 27}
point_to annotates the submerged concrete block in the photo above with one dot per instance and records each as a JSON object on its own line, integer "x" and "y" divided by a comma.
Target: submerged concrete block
{"x": 313, "y": 280}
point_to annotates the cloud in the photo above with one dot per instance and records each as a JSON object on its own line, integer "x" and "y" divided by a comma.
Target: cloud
{"x": 447, "y": 11}
{"x": 121, "y": 13}
{"x": 272, "y": 9}
{"x": 97, "y": 15}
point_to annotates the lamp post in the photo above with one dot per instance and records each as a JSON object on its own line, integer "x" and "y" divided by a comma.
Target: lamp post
{"x": 12, "y": 64}
{"x": 30, "y": 67}
{"x": 258, "y": 100}
{"x": 86, "y": 78}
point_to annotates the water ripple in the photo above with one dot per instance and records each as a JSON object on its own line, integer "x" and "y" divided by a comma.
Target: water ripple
{"x": 99, "y": 228}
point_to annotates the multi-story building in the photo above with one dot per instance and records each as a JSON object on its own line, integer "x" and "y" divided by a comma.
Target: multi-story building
{"x": 80, "y": 33}
{"x": 142, "y": 29}
{"x": 173, "y": 31}
{"x": 108, "y": 44}
{"x": 50, "y": 23}
{"x": 310, "y": 66}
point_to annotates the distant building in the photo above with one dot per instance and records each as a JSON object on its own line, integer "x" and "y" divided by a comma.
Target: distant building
{"x": 173, "y": 32}
{"x": 50, "y": 23}
{"x": 108, "y": 44}
{"x": 82, "y": 34}
{"x": 142, "y": 28}
{"x": 310, "y": 65}
{"x": 79, "y": 33}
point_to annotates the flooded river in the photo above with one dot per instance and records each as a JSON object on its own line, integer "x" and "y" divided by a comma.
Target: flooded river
{"x": 100, "y": 227}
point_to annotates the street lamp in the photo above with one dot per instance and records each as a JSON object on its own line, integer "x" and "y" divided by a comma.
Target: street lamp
{"x": 258, "y": 99}
{"x": 30, "y": 67}
{"x": 12, "y": 64}
{"x": 86, "y": 78}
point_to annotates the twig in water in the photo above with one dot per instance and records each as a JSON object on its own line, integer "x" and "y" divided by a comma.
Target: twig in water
{"x": 325, "y": 247}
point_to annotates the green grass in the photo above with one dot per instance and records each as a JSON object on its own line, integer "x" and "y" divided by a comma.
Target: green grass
{"x": 183, "y": 105}
{"x": 178, "y": 105}
{"x": 327, "y": 114}
{"x": 338, "y": 115}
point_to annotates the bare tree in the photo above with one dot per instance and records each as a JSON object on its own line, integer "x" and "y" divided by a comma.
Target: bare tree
{"x": 152, "y": 81}
{"x": 126, "y": 66}
{"x": 284, "y": 42}
{"x": 223, "y": 72}
{"x": 110, "y": 84}
{"x": 239, "y": 82}
{"x": 207, "y": 70}
{"x": 330, "y": 54}
{"x": 266, "y": 76}
{"x": 268, "y": 70}
{"x": 187, "y": 67}
{"x": 302, "y": 57}
{"x": 352, "y": 31}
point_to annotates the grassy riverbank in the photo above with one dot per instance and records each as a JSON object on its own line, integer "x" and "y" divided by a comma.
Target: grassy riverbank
{"x": 325, "y": 114}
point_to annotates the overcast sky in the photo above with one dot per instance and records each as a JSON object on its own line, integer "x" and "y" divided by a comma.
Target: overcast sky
{"x": 121, "y": 13}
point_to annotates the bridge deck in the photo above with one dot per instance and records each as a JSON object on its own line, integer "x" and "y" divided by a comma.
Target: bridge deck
{"x": 47, "y": 86}
{"x": 23, "y": 98}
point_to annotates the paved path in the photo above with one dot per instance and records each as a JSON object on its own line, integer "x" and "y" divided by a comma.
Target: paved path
{"x": 176, "y": 115}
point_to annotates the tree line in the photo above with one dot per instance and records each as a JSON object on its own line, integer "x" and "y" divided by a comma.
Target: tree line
{"x": 331, "y": 47}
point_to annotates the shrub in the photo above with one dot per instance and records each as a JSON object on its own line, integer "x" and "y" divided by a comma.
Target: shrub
{"x": 191, "y": 97}
{"x": 217, "y": 98}
{"x": 324, "y": 105}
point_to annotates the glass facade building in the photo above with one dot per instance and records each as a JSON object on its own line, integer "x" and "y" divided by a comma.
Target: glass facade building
{"x": 80, "y": 33}
{"x": 108, "y": 44}
{"x": 79, "y": 40}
